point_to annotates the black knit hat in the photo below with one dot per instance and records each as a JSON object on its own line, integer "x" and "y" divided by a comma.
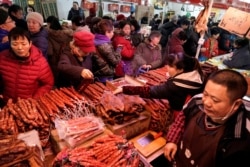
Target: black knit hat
{"x": 3, "y": 16}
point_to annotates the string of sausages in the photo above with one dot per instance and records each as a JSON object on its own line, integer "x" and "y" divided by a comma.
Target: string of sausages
{"x": 28, "y": 114}
{"x": 113, "y": 109}
{"x": 14, "y": 152}
{"x": 107, "y": 151}
{"x": 161, "y": 115}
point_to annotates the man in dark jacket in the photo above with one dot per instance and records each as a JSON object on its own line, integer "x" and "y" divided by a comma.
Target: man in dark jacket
{"x": 213, "y": 129}
{"x": 16, "y": 14}
{"x": 76, "y": 11}
{"x": 166, "y": 30}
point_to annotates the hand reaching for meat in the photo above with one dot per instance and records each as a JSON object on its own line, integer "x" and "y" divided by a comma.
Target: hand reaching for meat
{"x": 87, "y": 74}
{"x": 118, "y": 90}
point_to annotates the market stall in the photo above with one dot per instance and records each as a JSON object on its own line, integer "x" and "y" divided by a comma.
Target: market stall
{"x": 70, "y": 118}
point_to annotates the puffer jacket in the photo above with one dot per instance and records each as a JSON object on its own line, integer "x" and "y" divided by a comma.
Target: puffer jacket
{"x": 128, "y": 49}
{"x": 40, "y": 40}
{"x": 127, "y": 54}
{"x": 29, "y": 78}
{"x": 106, "y": 59}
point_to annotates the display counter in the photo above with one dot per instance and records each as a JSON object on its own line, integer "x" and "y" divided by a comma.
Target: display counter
{"x": 218, "y": 61}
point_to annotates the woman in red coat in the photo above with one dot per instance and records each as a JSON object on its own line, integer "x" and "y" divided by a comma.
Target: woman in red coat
{"x": 24, "y": 71}
{"x": 210, "y": 47}
{"x": 122, "y": 39}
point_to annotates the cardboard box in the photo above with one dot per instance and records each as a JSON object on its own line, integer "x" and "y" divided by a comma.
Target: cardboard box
{"x": 124, "y": 81}
{"x": 58, "y": 144}
{"x": 133, "y": 127}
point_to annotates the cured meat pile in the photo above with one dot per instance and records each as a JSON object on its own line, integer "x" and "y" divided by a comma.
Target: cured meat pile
{"x": 118, "y": 109}
{"x": 107, "y": 151}
{"x": 59, "y": 101}
{"x": 93, "y": 92}
{"x": 202, "y": 18}
{"x": 14, "y": 152}
{"x": 24, "y": 116}
{"x": 154, "y": 77}
{"x": 113, "y": 109}
{"x": 76, "y": 131}
{"x": 161, "y": 115}
{"x": 28, "y": 114}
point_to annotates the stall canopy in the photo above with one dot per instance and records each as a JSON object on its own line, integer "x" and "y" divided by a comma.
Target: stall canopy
{"x": 243, "y": 5}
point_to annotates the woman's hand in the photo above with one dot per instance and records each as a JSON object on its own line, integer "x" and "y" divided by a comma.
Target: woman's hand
{"x": 170, "y": 151}
{"x": 5, "y": 39}
{"x": 118, "y": 90}
{"x": 87, "y": 74}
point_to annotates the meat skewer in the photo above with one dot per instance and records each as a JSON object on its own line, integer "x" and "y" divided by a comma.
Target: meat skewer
{"x": 201, "y": 22}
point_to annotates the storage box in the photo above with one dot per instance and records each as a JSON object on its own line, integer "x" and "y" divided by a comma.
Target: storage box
{"x": 58, "y": 144}
{"x": 148, "y": 146}
{"x": 124, "y": 81}
{"x": 133, "y": 127}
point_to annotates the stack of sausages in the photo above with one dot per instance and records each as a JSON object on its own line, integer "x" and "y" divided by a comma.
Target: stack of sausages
{"x": 161, "y": 115}
{"x": 107, "y": 151}
{"x": 14, "y": 152}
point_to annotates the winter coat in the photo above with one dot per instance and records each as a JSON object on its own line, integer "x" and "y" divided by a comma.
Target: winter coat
{"x": 70, "y": 69}
{"x": 20, "y": 22}
{"x": 240, "y": 59}
{"x": 166, "y": 30}
{"x": 224, "y": 42}
{"x": 82, "y": 28}
{"x": 106, "y": 59}
{"x": 128, "y": 49}
{"x": 40, "y": 40}
{"x": 29, "y": 78}
{"x": 175, "y": 89}
{"x": 211, "y": 46}
{"x": 174, "y": 43}
{"x": 74, "y": 12}
{"x": 190, "y": 46}
{"x": 127, "y": 54}
{"x": 56, "y": 46}
{"x": 145, "y": 54}
{"x": 4, "y": 45}
{"x": 136, "y": 38}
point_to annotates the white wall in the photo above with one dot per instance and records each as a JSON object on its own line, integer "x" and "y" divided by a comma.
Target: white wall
{"x": 65, "y": 5}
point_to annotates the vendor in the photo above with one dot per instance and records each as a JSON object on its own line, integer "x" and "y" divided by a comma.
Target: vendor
{"x": 185, "y": 79}
{"x": 241, "y": 55}
{"x": 24, "y": 72}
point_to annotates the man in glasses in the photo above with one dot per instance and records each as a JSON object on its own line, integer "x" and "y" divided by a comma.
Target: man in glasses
{"x": 6, "y": 24}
